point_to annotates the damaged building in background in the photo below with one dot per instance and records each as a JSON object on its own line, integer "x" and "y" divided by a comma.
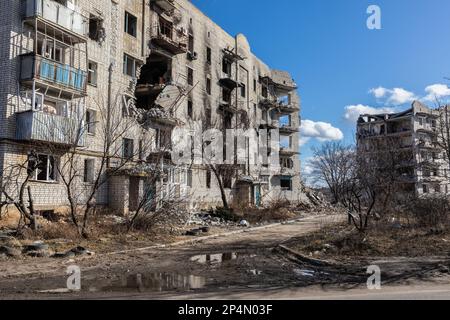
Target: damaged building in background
{"x": 420, "y": 160}
{"x": 168, "y": 66}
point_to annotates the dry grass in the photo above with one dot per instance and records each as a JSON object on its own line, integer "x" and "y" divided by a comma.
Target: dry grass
{"x": 383, "y": 240}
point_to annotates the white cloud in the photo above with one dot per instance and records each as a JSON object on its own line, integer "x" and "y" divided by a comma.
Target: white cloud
{"x": 379, "y": 92}
{"x": 319, "y": 130}
{"x": 396, "y": 96}
{"x": 353, "y": 112}
{"x": 303, "y": 141}
{"x": 401, "y": 96}
{"x": 437, "y": 91}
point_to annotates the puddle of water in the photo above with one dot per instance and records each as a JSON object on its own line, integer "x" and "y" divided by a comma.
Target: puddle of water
{"x": 158, "y": 282}
{"x": 304, "y": 273}
{"x": 215, "y": 258}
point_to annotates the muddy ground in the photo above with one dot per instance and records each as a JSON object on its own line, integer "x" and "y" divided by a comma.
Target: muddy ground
{"x": 248, "y": 263}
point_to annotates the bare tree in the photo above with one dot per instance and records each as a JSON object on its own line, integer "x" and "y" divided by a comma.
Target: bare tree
{"x": 112, "y": 124}
{"x": 377, "y": 181}
{"x": 442, "y": 136}
{"x": 15, "y": 190}
{"x": 333, "y": 165}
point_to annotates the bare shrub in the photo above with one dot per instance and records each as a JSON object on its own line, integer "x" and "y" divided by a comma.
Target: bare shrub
{"x": 169, "y": 217}
{"x": 51, "y": 231}
{"x": 276, "y": 210}
{"x": 431, "y": 211}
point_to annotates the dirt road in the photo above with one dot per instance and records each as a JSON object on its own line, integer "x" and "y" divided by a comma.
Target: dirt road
{"x": 238, "y": 266}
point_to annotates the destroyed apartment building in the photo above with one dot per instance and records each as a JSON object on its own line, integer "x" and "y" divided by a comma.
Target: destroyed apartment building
{"x": 67, "y": 64}
{"x": 420, "y": 160}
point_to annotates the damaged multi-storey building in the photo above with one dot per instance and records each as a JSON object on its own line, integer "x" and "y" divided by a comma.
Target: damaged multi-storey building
{"x": 167, "y": 65}
{"x": 420, "y": 159}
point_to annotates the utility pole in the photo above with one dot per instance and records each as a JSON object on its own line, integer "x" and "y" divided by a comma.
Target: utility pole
{"x": 108, "y": 116}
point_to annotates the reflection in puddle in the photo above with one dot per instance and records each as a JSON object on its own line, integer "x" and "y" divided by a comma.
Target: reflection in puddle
{"x": 158, "y": 282}
{"x": 255, "y": 272}
{"x": 214, "y": 258}
{"x": 304, "y": 273}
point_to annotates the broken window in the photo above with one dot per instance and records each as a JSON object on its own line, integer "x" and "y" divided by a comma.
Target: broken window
{"x": 207, "y": 123}
{"x": 92, "y": 73}
{"x": 226, "y": 95}
{"x": 226, "y": 66}
{"x": 163, "y": 139}
{"x": 89, "y": 173}
{"x": 141, "y": 150}
{"x": 128, "y": 148}
{"x": 243, "y": 90}
{"x": 208, "y": 85}
{"x": 96, "y": 29}
{"x": 190, "y": 76}
{"x": 437, "y": 189}
{"x": 42, "y": 168}
{"x": 129, "y": 65}
{"x": 191, "y": 44}
{"x": 425, "y": 188}
{"x": 228, "y": 119}
{"x": 189, "y": 178}
{"x": 190, "y": 109}
{"x": 130, "y": 24}
{"x": 227, "y": 181}
{"x": 208, "y": 55}
{"x": 208, "y": 179}
{"x": 264, "y": 92}
{"x": 286, "y": 183}
{"x": 255, "y": 86}
{"x": 90, "y": 121}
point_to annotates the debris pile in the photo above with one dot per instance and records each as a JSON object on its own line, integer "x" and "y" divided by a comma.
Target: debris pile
{"x": 207, "y": 219}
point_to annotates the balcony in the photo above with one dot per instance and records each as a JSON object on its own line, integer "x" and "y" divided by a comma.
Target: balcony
{"x": 57, "y": 15}
{"x": 227, "y": 80}
{"x": 269, "y": 124}
{"x": 288, "y": 129}
{"x": 282, "y": 83}
{"x": 288, "y": 152}
{"x": 51, "y": 73}
{"x": 284, "y": 108}
{"x": 267, "y": 103}
{"x": 46, "y": 127}
{"x": 166, "y": 5}
{"x": 165, "y": 36}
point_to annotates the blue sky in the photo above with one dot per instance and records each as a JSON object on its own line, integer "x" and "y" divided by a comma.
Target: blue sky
{"x": 337, "y": 60}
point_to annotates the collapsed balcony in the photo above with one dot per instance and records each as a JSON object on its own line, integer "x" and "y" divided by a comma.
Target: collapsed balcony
{"x": 162, "y": 117}
{"x": 280, "y": 83}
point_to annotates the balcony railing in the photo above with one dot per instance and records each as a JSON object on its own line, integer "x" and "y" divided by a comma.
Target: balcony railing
{"x": 46, "y": 127}
{"x": 165, "y": 36}
{"x": 289, "y": 129}
{"x": 54, "y": 73}
{"x": 58, "y": 14}
{"x": 288, "y": 151}
{"x": 287, "y": 108}
{"x": 166, "y": 5}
